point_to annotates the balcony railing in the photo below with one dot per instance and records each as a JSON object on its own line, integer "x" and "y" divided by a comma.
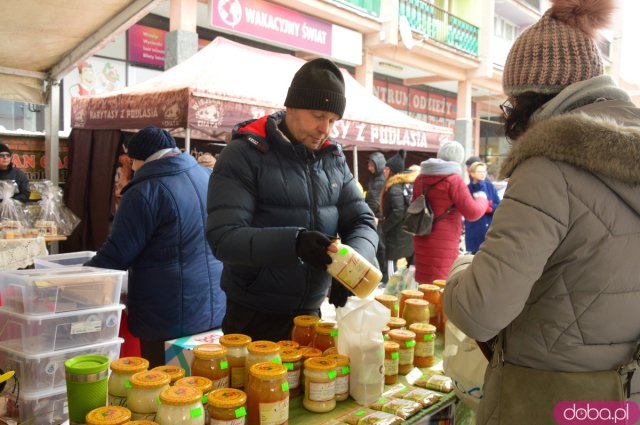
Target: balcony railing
{"x": 439, "y": 25}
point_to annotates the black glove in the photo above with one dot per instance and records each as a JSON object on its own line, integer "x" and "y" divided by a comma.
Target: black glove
{"x": 338, "y": 294}
{"x": 311, "y": 247}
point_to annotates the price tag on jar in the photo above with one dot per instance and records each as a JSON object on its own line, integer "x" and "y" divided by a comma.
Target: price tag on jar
{"x": 414, "y": 375}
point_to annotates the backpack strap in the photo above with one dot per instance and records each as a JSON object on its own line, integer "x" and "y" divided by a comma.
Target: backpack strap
{"x": 435, "y": 220}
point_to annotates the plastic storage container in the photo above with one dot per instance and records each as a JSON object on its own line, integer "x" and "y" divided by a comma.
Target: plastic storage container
{"x": 47, "y": 291}
{"x": 44, "y": 407}
{"x": 58, "y": 331}
{"x": 45, "y": 372}
{"x": 62, "y": 260}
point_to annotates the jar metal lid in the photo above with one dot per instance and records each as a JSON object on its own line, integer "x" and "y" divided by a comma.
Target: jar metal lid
{"x": 268, "y": 370}
{"x": 200, "y": 382}
{"x": 109, "y": 415}
{"x": 422, "y": 328}
{"x": 129, "y": 365}
{"x": 227, "y": 398}
{"x": 287, "y": 343}
{"x": 174, "y": 372}
{"x": 341, "y": 360}
{"x": 386, "y": 297}
{"x": 290, "y": 355}
{"x": 263, "y": 347}
{"x": 209, "y": 351}
{"x": 417, "y": 302}
{"x": 305, "y": 320}
{"x": 320, "y": 363}
{"x": 325, "y": 328}
{"x": 411, "y": 293}
{"x": 180, "y": 396}
{"x": 401, "y": 334}
{"x": 427, "y": 287}
{"x": 308, "y": 352}
{"x": 396, "y": 321}
{"x": 235, "y": 340}
{"x": 150, "y": 379}
{"x": 391, "y": 346}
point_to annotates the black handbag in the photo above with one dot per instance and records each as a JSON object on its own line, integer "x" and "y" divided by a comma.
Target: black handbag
{"x": 418, "y": 218}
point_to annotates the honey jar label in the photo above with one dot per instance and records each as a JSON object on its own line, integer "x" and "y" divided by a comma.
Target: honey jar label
{"x": 237, "y": 421}
{"x": 275, "y": 413}
{"x": 391, "y": 366}
{"x": 293, "y": 377}
{"x": 342, "y": 384}
{"x": 406, "y": 356}
{"x": 424, "y": 349}
{"x": 353, "y": 272}
{"x": 322, "y": 391}
{"x": 221, "y": 383}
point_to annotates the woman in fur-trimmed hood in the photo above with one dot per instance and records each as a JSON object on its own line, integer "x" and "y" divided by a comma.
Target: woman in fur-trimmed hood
{"x": 558, "y": 271}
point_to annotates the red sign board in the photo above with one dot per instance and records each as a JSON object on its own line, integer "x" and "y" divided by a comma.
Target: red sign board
{"x": 146, "y": 45}
{"x": 392, "y": 94}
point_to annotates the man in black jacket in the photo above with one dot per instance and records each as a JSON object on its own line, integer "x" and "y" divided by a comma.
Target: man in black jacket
{"x": 280, "y": 191}
{"x": 9, "y": 172}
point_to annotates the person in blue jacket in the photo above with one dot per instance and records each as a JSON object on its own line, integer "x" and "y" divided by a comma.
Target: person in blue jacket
{"x": 158, "y": 235}
{"x": 280, "y": 191}
{"x": 476, "y": 231}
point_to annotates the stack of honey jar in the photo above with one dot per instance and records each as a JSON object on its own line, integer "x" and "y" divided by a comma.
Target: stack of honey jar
{"x": 237, "y": 381}
{"x": 411, "y": 332}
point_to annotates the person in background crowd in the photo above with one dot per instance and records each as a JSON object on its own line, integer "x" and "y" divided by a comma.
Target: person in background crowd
{"x": 280, "y": 191}
{"x": 469, "y": 162}
{"x": 557, "y": 274}
{"x": 375, "y": 165}
{"x": 207, "y": 160}
{"x": 475, "y": 231}
{"x": 158, "y": 235}
{"x": 394, "y": 200}
{"x": 9, "y": 172}
{"x": 450, "y": 201}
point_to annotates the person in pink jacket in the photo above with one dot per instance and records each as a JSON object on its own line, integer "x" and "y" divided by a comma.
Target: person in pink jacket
{"x": 447, "y": 193}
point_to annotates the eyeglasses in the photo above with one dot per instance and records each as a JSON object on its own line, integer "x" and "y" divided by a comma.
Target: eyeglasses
{"x": 5, "y": 155}
{"x": 506, "y": 108}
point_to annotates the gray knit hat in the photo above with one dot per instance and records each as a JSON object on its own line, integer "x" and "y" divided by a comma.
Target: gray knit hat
{"x": 559, "y": 49}
{"x": 451, "y": 151}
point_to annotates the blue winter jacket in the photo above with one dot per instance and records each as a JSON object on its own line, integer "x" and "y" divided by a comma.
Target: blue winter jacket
{"x": 263, "y": 190}
{"x": 158, "y": 234}
{"x": 476, "y": 231}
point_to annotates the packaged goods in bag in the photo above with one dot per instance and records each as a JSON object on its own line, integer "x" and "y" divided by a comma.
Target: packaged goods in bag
{"x": 353, "y": 270}
{"x": 361, "y": 322}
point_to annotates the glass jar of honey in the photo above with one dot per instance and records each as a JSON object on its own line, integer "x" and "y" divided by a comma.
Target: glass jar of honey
{"x": 121, "y": 371}
{"x": 174, "y": 372}
{"x": 441, "y": 283}
{"x": 304, "y": 329}
{"x": 324, "y": 337}
{"x": 289, "y": 343}
{"x": 415, "y": 311}
{"x": 236, "y": 345}
{"x": 109, "y": 415}
{"x": 202, "y": 384}
{"x": 180, "y": 405}
{"x": 330, "y": 351}
{"x": 343, "y": 373}
{"x": 267, "y": 394}
{"x": 407, "y": 294}
{"x": 391, "y": 356}
{"x": 307, "y": 353}
{"x": 407, "y": 341}
{"x": 319, "y": 384}
{"x": 146, "y": 387}
{"x": 261, "y": 351}
{"x": 292, "y": 360}
{"x": 432, "y": 294}
{"x": 385, "y": 331}
{"x": 227, "y": 406}
{"x": 396, "y": 323}
{"x": 353, "y": 271}
{"x": 391, "y": 302}
{"x": 210, "y": 361}
{"x": 142, "y": 422}
{"x": 424, "y": 354}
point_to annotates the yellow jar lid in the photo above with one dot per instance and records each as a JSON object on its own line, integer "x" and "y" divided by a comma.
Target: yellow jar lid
{"x": 427, "y": 287}
{"x": 268, "y": 370}
{"x": 411, "y": 293}
{"x": 227, "y": 398}
{"x": 290, "y": 355}
{"x": 320, "y": 363}
{"x": 142, "y": 422}
{"x": 308, "y": 352}
{"x": 391, "y": 346}
{"x": 418, "y": 302}
{"x": 329, "y": 351}
{"x": 305, "y": 321}
{"x": 440, "y": 283}
{"x": 150, "y": 379}
{"x": 422, "y": 328}
{"x": 174, "y": 372}
{"x": 387, "y": 298}
{"x": 209, "y": 351}
{"x": 401, "y": 334}
{"x": 200, "y": 382}
{"x": 340, "y": 359}
{"x": 263, "y": 347}
{"x": 235, "y": 340}
{"x": 287, "y": 343}
{"x": 180, "y": 396}
{"x": 129, "y": 365}
{"x": 396, "y": 322}
{"x": 326, "y": 328}
{"x": 109, "y": 415}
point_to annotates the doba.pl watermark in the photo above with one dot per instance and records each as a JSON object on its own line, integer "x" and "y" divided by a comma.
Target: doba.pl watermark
{"x": 596, "y": 412}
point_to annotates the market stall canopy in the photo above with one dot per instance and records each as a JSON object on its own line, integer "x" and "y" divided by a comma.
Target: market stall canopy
{"x": 43, "y": 40}
{"x": 227, "y": 83}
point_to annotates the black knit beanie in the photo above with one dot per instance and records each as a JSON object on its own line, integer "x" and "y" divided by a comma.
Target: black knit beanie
{"x": 148, "y": 141}
{"x": 396, "y": 162}
{"x": 318, "y": 85}
{"x": 5, "y": 148}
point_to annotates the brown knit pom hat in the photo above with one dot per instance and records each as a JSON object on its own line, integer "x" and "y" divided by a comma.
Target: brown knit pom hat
{"x": 559, "y": 49}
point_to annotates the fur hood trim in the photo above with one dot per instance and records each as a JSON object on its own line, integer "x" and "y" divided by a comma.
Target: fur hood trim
{"x": 597, "y": 144}
{"x": 408, "y": 177}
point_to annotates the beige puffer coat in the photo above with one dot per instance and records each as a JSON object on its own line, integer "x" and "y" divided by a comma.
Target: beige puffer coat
{"x": 560, "y": 268}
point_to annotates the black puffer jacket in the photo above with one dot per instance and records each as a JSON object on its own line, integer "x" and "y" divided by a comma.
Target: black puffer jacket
{"x": 263, "y": 190}
{"x": 376, "y": 183}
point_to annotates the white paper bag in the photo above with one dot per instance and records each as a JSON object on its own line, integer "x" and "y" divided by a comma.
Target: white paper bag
{"x": 360, "y": 323}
